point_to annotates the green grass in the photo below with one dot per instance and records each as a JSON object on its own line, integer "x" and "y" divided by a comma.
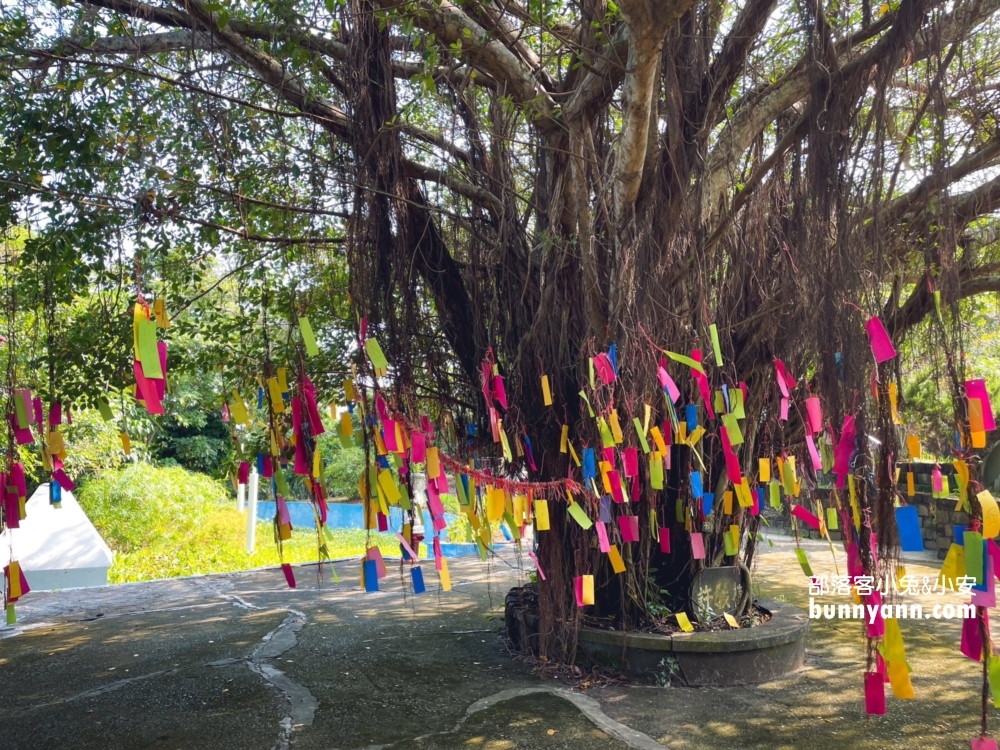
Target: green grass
{"x": 165, "y": 522}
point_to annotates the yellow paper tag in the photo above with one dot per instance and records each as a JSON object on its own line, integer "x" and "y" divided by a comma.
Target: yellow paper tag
{"x": 274, "y": 388}
{"x": 731, "y": 620}
{"x": 684, "y": 622}
{"x": 991, "y": 514}
{"x": 546, "y": 391}
{"x": 541, "y": 515}
{"x": 617, "y": 564}
{"x": 444, "y": 575}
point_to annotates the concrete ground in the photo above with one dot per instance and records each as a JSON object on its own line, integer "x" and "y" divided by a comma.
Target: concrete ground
{"x": 241, "y": 661}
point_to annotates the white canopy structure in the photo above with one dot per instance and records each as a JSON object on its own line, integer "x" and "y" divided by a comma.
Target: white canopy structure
{"x": 58, "y": 548}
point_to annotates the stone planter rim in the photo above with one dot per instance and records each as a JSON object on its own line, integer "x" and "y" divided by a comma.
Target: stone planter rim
{"x": 787, "y": 624}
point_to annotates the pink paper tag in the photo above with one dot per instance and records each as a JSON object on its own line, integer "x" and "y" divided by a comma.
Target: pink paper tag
{"x": 697, "y": 546}
{"x": 874, "y": 693}
{"x": 977, "y": 389}
{"x": 389, "y": 435}
{"x": 781, "y": 377}
{"x": 983, "y": 743}
{"x": 406, "y": 546}
{"x": 541, "y": 573}
{"x": 578, "y": 590}
{"x": 418, "y": 447}
{"x": 972, "y": 642}
{"x": 668, "y": 384}
{"x": 499, "y": 391}
{"x": 437, "y": 553}
{"x": 817, "y": 462}
{"x": 64, "y": 481}
{"x": 604, "y": 369}
{"x": 805, "y": 516}
{"x": 602, "y": 537}
{"x": 629, "y": 527}
{"x": 815, "y": 413}
{"x": 784, "y": 410}
{"x": 434, "y": 504}
{"x": 665, "y": 540}
{"x": 23, "y": 436}
{"x": 616, "y": 486}
{"x": 630, "y": 457}
{"x": 289, "y": 575}
{"x": 374, "y": 553}
{"x": 882, "y": 346}
{"x": 937, "y": 482}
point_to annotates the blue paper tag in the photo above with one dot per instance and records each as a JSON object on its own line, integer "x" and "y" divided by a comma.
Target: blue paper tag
{"x": 371, "y": 575}
{"x": 418, "y": 580}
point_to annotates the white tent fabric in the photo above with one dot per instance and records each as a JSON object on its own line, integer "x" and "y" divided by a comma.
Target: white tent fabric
{"x": 58, "y": 548}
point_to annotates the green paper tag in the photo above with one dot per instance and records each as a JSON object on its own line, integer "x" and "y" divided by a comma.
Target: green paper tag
{"x": 280, "y": 482}
{"x": 994, "y": 670}
{"x": 693, "y": 364}
{"x": 21, "y": 412}
{"x": 579, "y": 515}
{"x": 974, "y": 563}
{"x": 656, "y": 473}
{"x": 105, "y": 408}
{"x": 607, "y": 440}
{"x": 775, "y": 494}
{"x": 308, "y": 338}
{"x": 733, "y": 429}
{"x": 714, "y": 331}
{"x": 804, "y": 562}
{"x": 11, "y": 617}
{"x": 642, "y": 437}
{"x": 736, "y": 406}
{"x": 375, "y": 354}
{"x": 149, "y": 355}
{"x": 731, "y": 548}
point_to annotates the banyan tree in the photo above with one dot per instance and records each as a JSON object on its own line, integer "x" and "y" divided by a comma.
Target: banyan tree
{"x": 687, "y": 218}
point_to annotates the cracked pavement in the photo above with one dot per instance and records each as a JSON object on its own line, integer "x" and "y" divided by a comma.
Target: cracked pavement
{"x": 241, "y": 661}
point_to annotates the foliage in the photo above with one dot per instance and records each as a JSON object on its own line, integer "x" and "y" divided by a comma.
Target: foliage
{"x": 342, "y": 467}
{"x": 93, "y": 447}
{"x": 927, "y": 406}
{"x": 217, "y": 545}
{"x": 164, "y": 522}
{"x": 135, "y": 506}
{"x": 482, "y": 181}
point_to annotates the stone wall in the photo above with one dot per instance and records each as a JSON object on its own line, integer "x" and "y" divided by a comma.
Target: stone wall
{"x": 938, "y": 516}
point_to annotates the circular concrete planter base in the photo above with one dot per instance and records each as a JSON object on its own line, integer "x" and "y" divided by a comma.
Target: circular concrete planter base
{"x": 729, "y": 657}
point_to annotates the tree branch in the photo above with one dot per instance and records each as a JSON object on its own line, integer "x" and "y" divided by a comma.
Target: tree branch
{"x": 648, "y": 21}
{"x": 450, "y": 24}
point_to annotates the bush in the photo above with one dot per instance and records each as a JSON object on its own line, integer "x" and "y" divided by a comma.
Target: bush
{"x": 134, "y": 507}
{"x": 165, "y": 522}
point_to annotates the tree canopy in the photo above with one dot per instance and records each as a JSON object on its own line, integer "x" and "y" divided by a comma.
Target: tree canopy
{"x": 520, "y": 183}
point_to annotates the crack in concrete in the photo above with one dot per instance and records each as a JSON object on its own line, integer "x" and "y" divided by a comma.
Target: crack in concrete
{"x": 587, "y": 706}
{"x": 111, "y": 687}
{"x": 302, "y": 703}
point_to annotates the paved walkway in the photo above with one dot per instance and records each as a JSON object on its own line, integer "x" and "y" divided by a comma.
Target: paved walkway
{"x": 241, "y": 661}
